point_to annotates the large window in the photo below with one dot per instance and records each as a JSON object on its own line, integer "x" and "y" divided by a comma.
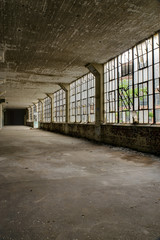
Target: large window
{"x": 40, "y": 108}
{"x": 125, "y": 90}
{"x": 143, "y": 81}
{"x": 111, "y": 92}
{"x": 91, "y": 98}
{"x": 59, "y": 99}
{"x": 73, "y": 102}
{"x": 82, "y": 99}
{"x": 47, "y": 110}
{"x": 131, "y": 85}
{"x": 84, "y": 105}
{"x": 35, "y": 114}
{"x": 156, "y": 44}
{"x": 78, "y": 100}
{"x": 34, "y": 108}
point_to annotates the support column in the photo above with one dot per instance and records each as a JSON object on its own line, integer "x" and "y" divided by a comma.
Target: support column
{"x": 98, "y": 72}
{"x": 65, "y": 87}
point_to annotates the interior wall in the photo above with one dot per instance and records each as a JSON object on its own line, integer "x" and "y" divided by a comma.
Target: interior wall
{"x": 14, "y": 116}
{"x": 137, "y": 137}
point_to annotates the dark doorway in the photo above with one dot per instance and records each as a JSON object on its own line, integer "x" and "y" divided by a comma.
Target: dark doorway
{"x": 14, "y": 116}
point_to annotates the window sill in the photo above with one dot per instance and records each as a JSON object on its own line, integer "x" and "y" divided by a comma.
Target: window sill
{"x": 131, "y": 124}
{"x": 77, "y": 123}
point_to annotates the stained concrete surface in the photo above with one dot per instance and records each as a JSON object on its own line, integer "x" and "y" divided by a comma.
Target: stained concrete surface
{"x": 46, "y": 42}
{"x": 62, "y": 188}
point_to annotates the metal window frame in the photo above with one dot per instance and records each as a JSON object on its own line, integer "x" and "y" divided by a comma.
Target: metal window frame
{"x": 47, "y": 110}
{"x": 58, "y": 114}
{"x": 74, "y": 112}
{"x": 140, "y": 109}
{"x": 151, "y": 94}
{"x": 138, "y": 56}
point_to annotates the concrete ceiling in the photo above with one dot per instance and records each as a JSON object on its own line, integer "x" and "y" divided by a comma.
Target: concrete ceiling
{"x": 45, "y": 42}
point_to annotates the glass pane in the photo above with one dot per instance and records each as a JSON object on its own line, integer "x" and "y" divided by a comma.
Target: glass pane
{"x": 145, "y": 116}
{"x": 157, "y": 115}
{"x": 140, "y": 76}
{"x": 150, "y": 116}
{"x": 140, "y": 116}
{"x": 149, "y": 58}
{"x": 156, "y": 55}
{"x": 156, "y": 40}
{"x": 145, "y": 75}
{"x": 157, "y": 100}
{"x": 156, "y": 70}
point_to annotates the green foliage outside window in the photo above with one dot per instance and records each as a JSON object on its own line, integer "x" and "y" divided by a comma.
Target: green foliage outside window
{"x": 126, "y": 96}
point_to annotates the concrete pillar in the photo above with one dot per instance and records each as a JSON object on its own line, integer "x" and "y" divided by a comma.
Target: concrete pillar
{"x": 1, "y": 116}
{"x": 66, "y": 88}
{"x": 98, "y": 72}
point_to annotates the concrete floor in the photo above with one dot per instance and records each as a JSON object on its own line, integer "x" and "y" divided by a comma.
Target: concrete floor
{"x": 62, "y": 188}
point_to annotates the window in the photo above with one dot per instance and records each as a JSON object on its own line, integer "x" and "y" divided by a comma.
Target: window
{"x": 84, "y": 105}
{"x": 34, "y": 108}
{"x": 142, "y": 55}
{"x": 143, "y": 95}
{"x": 91, "y": 98}
{"x": 143, "y": 81}
{"x": 47, "y": 110}
{"x": 82, "y": 99}
{"x": 126, "y": 63}
{"x": 157, "y": 93}
{"x": 125, "y": 91}
{"x": 110, "y": 92}
{"x": 157, "y": 101}
{"x": 40, "y": 111}
{"x": 78, "y": 100}
{"x": 111, "y": 71}
{"x": 35, "y": 114}
{"x": 157, "y": 77}
{"x": 130, "y": 85}
{"x": 31, "y": 114}
{"x": 59, "y": 113}
{"x": 112, "y": 97}
{"x": 72, "y": 102}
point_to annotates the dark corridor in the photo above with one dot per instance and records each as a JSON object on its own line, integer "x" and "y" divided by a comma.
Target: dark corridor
{"x": 14, "y": 116}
